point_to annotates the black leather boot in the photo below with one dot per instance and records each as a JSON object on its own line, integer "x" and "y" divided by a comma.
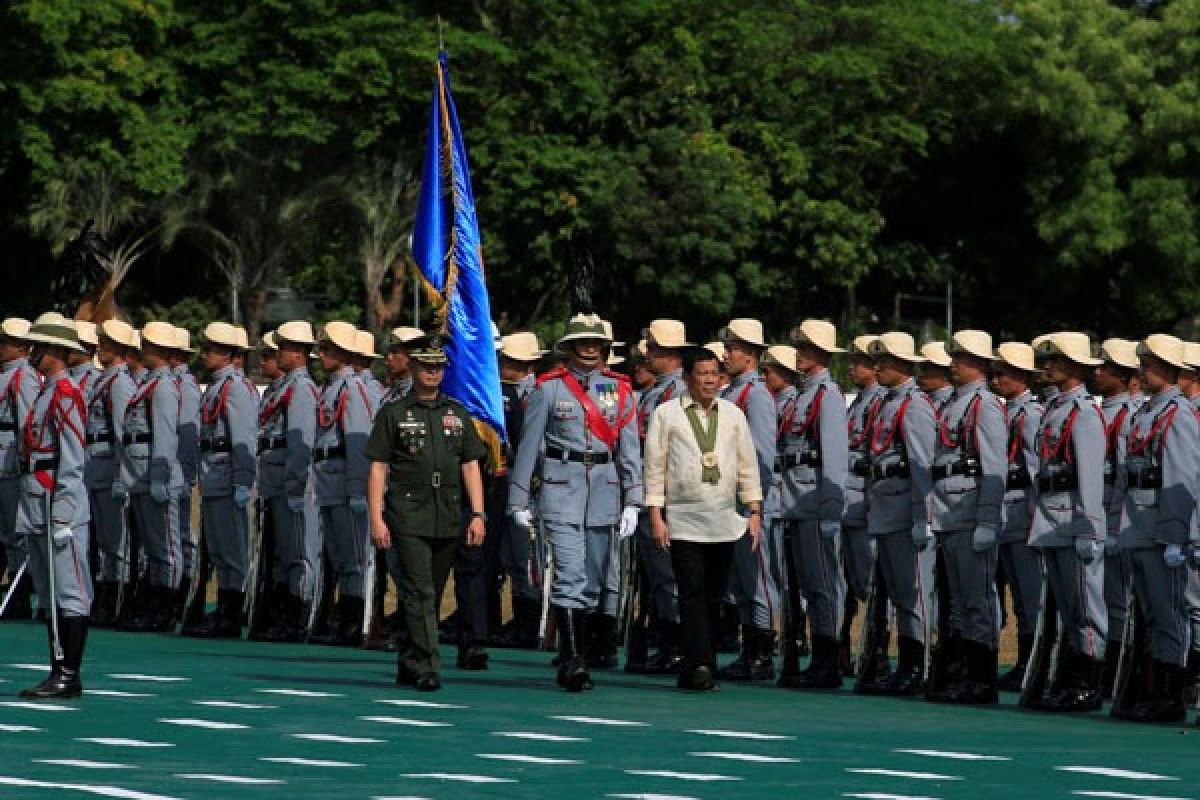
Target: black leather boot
{"x": 739, "y": 669}
{"x": 1080, "y": 690}
{"x": 822, "y": 671}
{"x": 228, "y": 622}
{"x": 1166, "y": 702}
{"x": 64, "y": 681}
{"x": 527, "y": 614}
{"x": 1012, "y": 680}
{"x": 954, "y": 670}
{"x": 472, "y": 655}
{"x": 572, "y": 672}
{"x": 762, "y": 666}
{"x": 669, "y": 658}
{"x": 979, "y": 684}
{"x": 601, "y": 643}
{"x": 910, "y": 668}
{"x": 104, "y": 604}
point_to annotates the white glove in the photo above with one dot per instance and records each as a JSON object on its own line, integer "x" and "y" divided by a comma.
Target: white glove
{"x": 629, "y": 521}
{"x": 983, "y": 539}
{"x": 1087, "y": 549}
{"x": 829, "y": 528}
{"x": 295, "y": 504}
{"x": 921, "y": 534}
{"x": 119, "y": 490}
{"x": 62, "y": 536}
{"x": 241, "y": 496}
{"x": 357, "y": 503}
{"x": 159, "y": 492}
{"x": 523, "y": 517}
{"x": 1174, "y": 557}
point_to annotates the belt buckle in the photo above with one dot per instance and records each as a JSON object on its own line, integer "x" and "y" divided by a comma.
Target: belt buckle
{"x": 589, "y": 458}
{"x": 435, "y": 480}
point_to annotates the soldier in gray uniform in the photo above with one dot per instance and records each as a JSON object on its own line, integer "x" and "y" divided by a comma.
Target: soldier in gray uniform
{"x": 19, "y": 385}
{"x": 151, "y": 473}
{"x": 1111, "y": 381}
{"x": 1191, "y": 357}
{"x": 1161, "y": 456}
{"x": 858, "y": 548}
{"x": 399, "y": 374}
{"x": 665, "y": 343}
{"x": 813, "y": 456}
{"x": 751, "y": 581}
{"x": 81, "y": 368}
{"x": 779, "y": 374}
{"x": 970, "y": 469}
{"x": 340, "y": 469}
{"x": 900, "y": 447}
{"x": 189, "y": 455}
{"x": 107, "y": 495}
{"x": 1012, "y": 375}
{"x": 53, "y": 510}
{"x": 580, "y": 425}
{"x": 1069, "y": 524}
{"x": 362, "y": 358}
{"x": 935, "y": 379}
{"x": 228, "y": 424}
{"x": 287, "y": 430}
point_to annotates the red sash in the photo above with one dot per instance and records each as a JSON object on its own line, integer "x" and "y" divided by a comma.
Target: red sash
{"x": 596, "y": 422}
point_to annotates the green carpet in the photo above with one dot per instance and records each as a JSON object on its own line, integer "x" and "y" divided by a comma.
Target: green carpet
{"x": 788, "y": 744}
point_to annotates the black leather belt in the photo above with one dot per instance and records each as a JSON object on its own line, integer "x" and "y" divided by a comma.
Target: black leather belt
{"x": 587, "y": 458}
{"x": 326, "y": 453}
{"x": 861, "y": 468}
{"x": 1061, "y": 482}
{"x": 217, "y": 445}
{"x": 967, "y": 466}
{"x": 41, "y": 464}
{"x": 8, "y": 426}
{"x": 890, "y": 471}
{"x": 789, "y": 460}
{"x": 266, "y": 443}
{"x": 1018, "y": 478}
{"x": 1145, "y": 478}
{"x": 136, "y": 438}
{"x": 101, "y": 438}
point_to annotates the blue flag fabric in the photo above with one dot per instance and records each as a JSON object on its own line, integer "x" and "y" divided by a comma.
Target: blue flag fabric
{"x": 449, "y": 251}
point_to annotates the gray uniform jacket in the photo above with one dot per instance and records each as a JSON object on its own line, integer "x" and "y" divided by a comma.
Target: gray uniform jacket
{"x": 397, "y": 390}
{"x": 859, "y": 419}
{"x": 525, "y": 386}
{"x": 189, "y": 424}
{"x": 376, "y": 391}
{"x": 748, "y": 392}
{"x": 940, "y": 398}
{"x": 19, "y": 386}
{"x": 901, "y": 452}
{"x": 1024, "y": 421}
{"x": 84, "y": 376}
{"x": 668, "y": 385}
{"x": 970, "y": 460}
{"x": 785, "y": 408}
{"x": 1070, "y": 481}
{"x": 813, "y": 453}
{"x": 1161, "y": 455}
{"x": 340, "y": 464}
{"x": 1118, "y": 413}
{"x": 53, "y": 465}
{"x": 287, "y": 430}
{"x": 150, "y": 440}
{"x": 556, "y": 432}
{"x": 228, "y": 423}
{"x": 105, "y": 425}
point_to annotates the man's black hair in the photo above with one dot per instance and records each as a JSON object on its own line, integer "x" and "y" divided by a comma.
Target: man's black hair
{"x": 697, "y": 355}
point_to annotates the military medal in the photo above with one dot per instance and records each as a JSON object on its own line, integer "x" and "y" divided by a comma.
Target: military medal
{"x": 709, "y": 460}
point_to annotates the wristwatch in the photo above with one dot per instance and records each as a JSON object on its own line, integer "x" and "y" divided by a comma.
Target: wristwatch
{"x": 479, "y": 515}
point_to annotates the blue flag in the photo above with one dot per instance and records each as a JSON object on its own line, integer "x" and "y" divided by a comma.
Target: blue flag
{"x": 448, "y": 249}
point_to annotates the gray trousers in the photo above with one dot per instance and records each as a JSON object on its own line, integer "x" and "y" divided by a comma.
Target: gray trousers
{"x": 1078, "y": 590}
{"x": 659, "y": 574}
{"x": 226, "y": 530}
{"x": 903, "y": 579}
{"x": 1023, "y": 568}
{"x": 514, "y": 560}
{"x": 586, "y": 567}
{"x": 753, "y": 583}
{"x": 296, "y": 547}
{"x": 158, "y": 527}
{"x": 972, "y": 580}
{"x": 1118, "y": 577}
{"x": 108, "y": 518}
{"x": 817, "y": 575}
{"x": 345, "y": 539}
{"x": 187, "y": 537}
{"x": 10, "y": 495}
{"x": 1162, "y": 594}
{"x": 72, "y": 576}
{"x": 1193, "y": 603}
{"x": 858, "y": 560}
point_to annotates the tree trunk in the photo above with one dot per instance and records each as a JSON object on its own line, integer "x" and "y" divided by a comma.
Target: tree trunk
{"x": 254, "y": 308}
{"x": 383, "y": 309}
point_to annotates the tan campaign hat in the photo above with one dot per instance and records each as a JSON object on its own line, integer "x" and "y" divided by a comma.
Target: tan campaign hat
{"x": 608, "y": 328}
{"x": 522, "y": 346}
{"x": 86, "y": 331}
{"x": 1072, "y": 345}
{"x": 162, "y": 334}
{"x": 243, "y": 338}
{"x": 897, "y": 344}
{"x": 861, "y": 345}
{"x": 340, "y": 334}
{"x": 781, "y": 355}
{"x": 137, "y": 341}
{"x": 817, "y": 332}
{"x": 743, "y": 329}
{"x": 183, "y": 340}
{"x": 668, "y": 333}
{"x": 1017, "y": 355}
{"x": 269, "y": 343}
{"x": 1162, "y": 346}
{"x": 586, "y": 326}
{"x": 55, "y": 329}
{"x": 221, "y": 333}
{"x": 1191, "y": 354}
{"x": 405, "y": 335}
{"x": 640, "y": 348}
{"x": 1121, "y": 352}
{"x": 717, "y": 349}
{"x": 971, "y": 343}
{"x": 121, "y": 333}
{"x": 298, "y": 331}
{"x": 364, "y": 344}
{"x": 935, "y": 354}
{"x": 14, "y": 328}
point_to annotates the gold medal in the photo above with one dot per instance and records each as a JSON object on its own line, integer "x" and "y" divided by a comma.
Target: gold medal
{"x": 709, "y": 460}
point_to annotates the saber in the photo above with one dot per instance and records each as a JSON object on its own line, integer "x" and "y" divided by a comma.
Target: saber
{"x": 56, "y": 639}
{"x": 12, "y": 587}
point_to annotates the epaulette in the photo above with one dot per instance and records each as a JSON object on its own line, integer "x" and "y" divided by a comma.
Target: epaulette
{"x": 608, "y": 373}
{"x": 553, "y": 374}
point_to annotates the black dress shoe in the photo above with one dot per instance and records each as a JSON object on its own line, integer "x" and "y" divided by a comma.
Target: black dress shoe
{"x": 473, "y": 658}
{"x": 699, "y": 679}
{"x": 428, "y": 682}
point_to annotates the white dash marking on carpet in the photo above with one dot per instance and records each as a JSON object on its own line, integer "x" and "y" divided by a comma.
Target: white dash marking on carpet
{"x": 231, "y": 704}
{"x": 335, "y": 738}
{"x": 210, "y": 724}
{"x": 400, "y": 797}
{"x": 117, "y": 742}
{"x": 415, "y": 723}
{"x": 83, "y": 763}
{"x": 886, "y": 796}
{"x": 116, "y": 693}
{"x": 1110, "y": 772}
{"x": 953, "y": 755}
{"x": 138, "y": 676}
{"x": 103, "y": 791}
{"x": 420, "y": 704}
{"x": 32, "y": 667}
{"x": 19, "y": 729}
{"x": 299, "y": 693}
{"x": 682, "y": 776}
{"x": 899, "y": 773}
{"x": 751, "y": 757}
{"x": 540, "y": 737}
{"x": 1124, "y": 795}
{"x": 760, "y": 737}
{"x": 524, "y": 759}
{"x": 35, "y": 706}
{"x": 308, "y": 762}
{"x": 458, "y": 777}
{"x": 648, "y": 796}
{"x": 626, "y": 723}
{"x": 205, "y": 776}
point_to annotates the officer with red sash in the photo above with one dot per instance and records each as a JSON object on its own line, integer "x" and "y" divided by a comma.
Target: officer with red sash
{"x": 580, "y": 426}
{"x": 81, "y": 366}
{"x": 19, "y": 384}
